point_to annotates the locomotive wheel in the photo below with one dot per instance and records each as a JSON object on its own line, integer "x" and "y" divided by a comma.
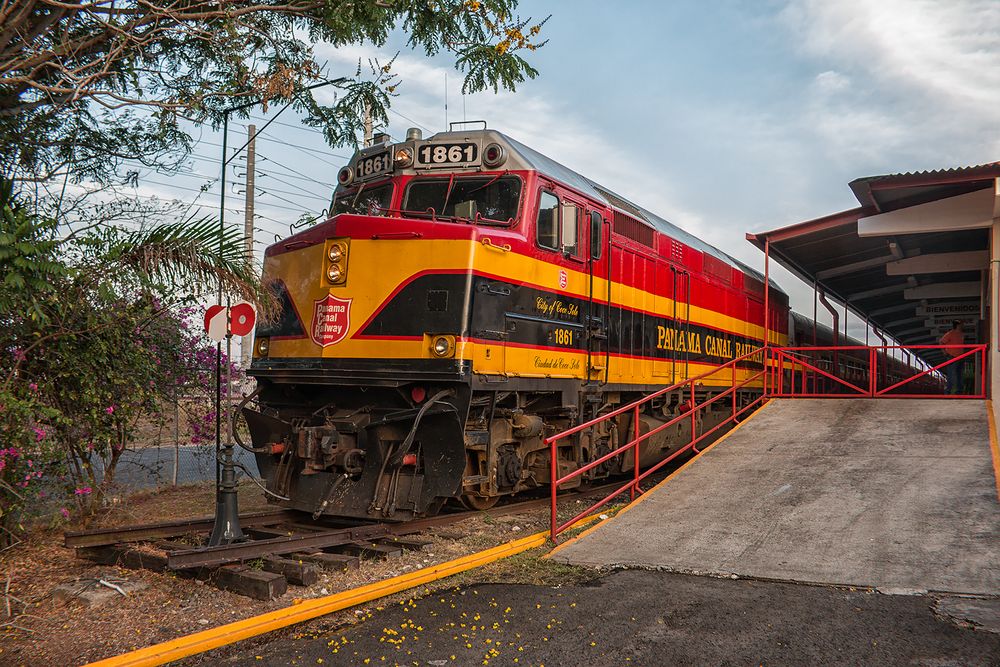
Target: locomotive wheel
{"x": 478, "y": 503}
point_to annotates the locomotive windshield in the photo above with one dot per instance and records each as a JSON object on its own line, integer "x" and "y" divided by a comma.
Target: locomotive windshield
{"x": 477, "y": 199}
{"x": 364, "y": 200}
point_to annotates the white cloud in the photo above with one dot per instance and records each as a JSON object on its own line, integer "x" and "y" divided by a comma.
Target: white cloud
{"x": 913, "y": 78}
{"x": 947, "y": 49}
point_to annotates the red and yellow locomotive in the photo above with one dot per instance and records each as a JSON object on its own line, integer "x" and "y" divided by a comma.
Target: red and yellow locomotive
{"x": 468, "y": 297}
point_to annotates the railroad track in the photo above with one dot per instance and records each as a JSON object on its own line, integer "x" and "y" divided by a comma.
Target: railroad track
{"x": 284, "y": 547}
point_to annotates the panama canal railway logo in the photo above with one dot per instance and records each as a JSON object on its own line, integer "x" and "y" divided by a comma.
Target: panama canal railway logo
{"x": 331, "y": 320}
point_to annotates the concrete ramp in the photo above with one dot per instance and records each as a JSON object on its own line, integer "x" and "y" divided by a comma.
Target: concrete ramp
{"x": 894, "y": 494}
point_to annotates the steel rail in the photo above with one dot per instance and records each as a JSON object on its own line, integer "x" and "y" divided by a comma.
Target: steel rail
{"x": 275, "y": 546}
{"x": 313, "y": 536}
{"x": 150, "y": 531}
{"x": 228, "y": 553}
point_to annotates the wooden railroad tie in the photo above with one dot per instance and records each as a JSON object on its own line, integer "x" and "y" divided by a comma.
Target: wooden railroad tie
{"x": 296, "y": 571}
{"x": 327, "y": 561}
{"x": 369, "y": 550}
{"x": 236, "y": 578}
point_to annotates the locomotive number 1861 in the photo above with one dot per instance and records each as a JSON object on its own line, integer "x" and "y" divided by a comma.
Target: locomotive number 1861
{"x": 373, "y": 165}
{"x": 563, "y": 336}
{"x": 445, "y": 154}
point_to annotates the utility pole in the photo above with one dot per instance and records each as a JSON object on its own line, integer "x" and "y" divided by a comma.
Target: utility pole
{"x": 226, "y": 528}
{"x": 246, "y": 345}
{"x": 368, "y": 125}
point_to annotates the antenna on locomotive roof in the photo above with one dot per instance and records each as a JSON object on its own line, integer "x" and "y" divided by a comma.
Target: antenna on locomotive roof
{"x": 446, "y": 99}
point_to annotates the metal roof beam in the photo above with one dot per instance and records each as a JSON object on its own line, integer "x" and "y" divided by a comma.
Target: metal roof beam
{"x": 810, "y": 227}
{"x": 878, "y": 291}
{"x": 892, "y": 309}
{"x": 940, "y": 262}
{"x": 852, "y": 267}
{"x": 996, "y": 197}
{"x": 918, "y": 341}
{"x": 973, "y": 210}
{"x": 943, "y": 291}
{"x": 907, "y": 332}
{"x": 908, "y": 320}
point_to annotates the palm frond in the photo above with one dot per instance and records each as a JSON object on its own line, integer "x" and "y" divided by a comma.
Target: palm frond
{"x": 194, "y": 253}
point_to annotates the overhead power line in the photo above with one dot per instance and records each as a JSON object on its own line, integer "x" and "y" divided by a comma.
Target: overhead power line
{"x": 294, "y": 171}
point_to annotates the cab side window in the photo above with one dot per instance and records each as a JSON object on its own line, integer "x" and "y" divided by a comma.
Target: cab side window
{"x": 547, "y": 228}
{"x": 596, "y": 223}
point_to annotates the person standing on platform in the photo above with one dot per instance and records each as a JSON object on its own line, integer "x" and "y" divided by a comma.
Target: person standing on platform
{"x": 953, "y": 339}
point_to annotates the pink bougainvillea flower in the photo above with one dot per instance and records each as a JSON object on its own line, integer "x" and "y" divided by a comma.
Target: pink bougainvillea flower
{"x": 83, "y": 491}
{"x": 39, "y": 433}
{"x": 64, "y": 512}
{"x": 33, "y": 387}
{"x": 110, "y": 409}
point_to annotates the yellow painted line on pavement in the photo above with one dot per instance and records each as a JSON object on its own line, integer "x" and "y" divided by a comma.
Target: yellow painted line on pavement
{"x": 304, "y": 610}
{"x": 662, "y": 482}
{"x": 994, "y": 448}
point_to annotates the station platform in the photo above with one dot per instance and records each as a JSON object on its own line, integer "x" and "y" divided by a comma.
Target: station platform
{"x": 896, "y": 495}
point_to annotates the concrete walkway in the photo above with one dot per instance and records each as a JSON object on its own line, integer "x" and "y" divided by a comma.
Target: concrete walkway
{"x": 893, "y": 494}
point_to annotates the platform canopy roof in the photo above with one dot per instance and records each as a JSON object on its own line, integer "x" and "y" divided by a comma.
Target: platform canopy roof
{"x": 910, "y": 258}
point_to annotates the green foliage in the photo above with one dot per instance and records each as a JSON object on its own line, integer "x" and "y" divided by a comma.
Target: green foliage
{"x": 99, "y": 343}
{"x": 98, "y": 82}
{"x": 28, "y": 247}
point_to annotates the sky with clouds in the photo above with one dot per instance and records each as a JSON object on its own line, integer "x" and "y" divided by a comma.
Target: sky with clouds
{"x": 722, "y": 117}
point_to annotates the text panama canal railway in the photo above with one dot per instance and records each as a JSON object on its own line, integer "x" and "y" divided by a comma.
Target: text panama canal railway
{"x": 469, "y": 297}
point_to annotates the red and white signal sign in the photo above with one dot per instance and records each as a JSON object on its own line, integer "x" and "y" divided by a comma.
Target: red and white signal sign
{"x": 237, "y": 320}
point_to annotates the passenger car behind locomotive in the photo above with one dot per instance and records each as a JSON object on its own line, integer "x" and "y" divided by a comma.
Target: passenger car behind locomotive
{"x": 466, "y": 298}
{"x": 852, "y": 366}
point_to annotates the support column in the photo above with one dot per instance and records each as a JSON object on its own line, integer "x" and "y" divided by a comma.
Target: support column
{"x": 994, "y": 305}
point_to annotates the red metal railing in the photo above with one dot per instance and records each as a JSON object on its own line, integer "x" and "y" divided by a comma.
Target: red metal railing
{"x": 788, "y": 372}
{"x": 866, "y": 372}
{"x": 690, "y": 387}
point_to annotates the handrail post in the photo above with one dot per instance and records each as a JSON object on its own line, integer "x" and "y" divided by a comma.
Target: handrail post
{"x": 734, "y": 390}
{"x": 765, "y": 356}
{"x": 982, "y": 375}
{"x": 635, "y": 452}
{"x": 694, "y": 420}
{"x": 554, "y": 467}
{"x": 872, "y": 367}
{"x": 772, "y": 379}
{"x": 781, "y": 377}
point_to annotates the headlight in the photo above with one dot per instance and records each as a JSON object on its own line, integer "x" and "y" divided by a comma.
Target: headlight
{"x": 335, "y": 264}
{"x": 443, "y": 346}
{"x": 262, "y": 347}
{"x": 494, "y": 155}
{"x": 345, "y": 176}
{"x": 403, "y": 157}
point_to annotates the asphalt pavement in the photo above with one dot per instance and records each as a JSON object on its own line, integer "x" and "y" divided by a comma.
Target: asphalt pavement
{"x": 643, "y": 617}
